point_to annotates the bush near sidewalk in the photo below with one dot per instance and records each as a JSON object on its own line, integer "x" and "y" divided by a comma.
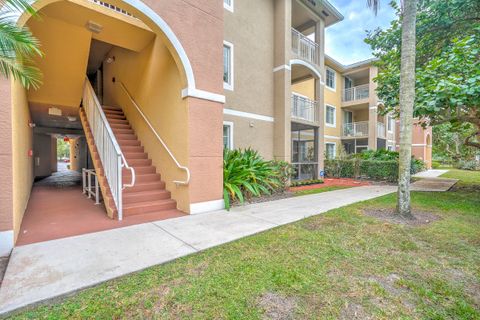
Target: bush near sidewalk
{"x": 246, "y": 174}
{"x": 375, "y": 165}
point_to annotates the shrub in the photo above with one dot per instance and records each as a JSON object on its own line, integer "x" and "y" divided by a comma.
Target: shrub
{"x": 467, "y": 165}
{"x": 306, "y": 182}
{"x": 340, "y": 168}
{"x": 379, "y": 170}
{"x": 246, "y": 174}
{"x": 417, "y": 166}
{"x": 381, "y": 155}
{"x": 435, "y": 164}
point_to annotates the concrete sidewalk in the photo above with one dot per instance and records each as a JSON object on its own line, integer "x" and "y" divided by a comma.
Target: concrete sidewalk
{"x": 46, "y": 270}
{"x": 432, "y": 173}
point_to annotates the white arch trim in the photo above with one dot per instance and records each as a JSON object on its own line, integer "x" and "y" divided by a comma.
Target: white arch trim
{"x": 191, "y": 90}
{"x": 307, "y": 65}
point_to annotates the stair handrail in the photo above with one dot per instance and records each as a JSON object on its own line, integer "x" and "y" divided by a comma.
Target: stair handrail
{"x": 114, "y": 178}
{"x": 132, "y": 100}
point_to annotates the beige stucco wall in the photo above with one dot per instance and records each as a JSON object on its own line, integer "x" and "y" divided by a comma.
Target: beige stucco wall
{"x": 22, "y": 162}
{"x": 6, "y": 156}
{"x": 334, "y": 98}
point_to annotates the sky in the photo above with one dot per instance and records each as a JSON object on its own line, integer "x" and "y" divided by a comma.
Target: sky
{"x": 344, "y": 40}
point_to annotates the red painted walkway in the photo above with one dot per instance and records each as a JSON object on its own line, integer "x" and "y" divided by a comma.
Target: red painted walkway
{"x": 58, "y": 209}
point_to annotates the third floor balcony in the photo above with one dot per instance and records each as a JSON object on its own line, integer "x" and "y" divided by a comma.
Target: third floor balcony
{"x": 304, "y": 109}
{"x": 356, "y": 94}
{"x": 304, "y": 48}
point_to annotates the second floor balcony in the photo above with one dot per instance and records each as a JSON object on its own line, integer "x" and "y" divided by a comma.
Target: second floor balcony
{"x": 304, "y": 109}
{"x": 305, "y": 48}
{"x": 355, "y": 129}
{"x": 357, "y": 93}
{"x": 381, "y": 133}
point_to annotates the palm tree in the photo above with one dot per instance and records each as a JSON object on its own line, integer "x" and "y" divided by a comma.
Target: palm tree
{"x": 407, "y": 100}
{"x": 18, "y": 46}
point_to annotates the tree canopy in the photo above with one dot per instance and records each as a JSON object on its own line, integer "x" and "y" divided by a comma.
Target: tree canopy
{"x": 447, "y": 64}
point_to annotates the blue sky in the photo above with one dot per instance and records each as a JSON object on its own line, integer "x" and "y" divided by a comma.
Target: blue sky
{"x": 344, "y": 40}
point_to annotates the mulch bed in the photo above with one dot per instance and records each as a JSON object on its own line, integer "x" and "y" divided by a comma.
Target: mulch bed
{"x": 333, "y": 182}
{"x": 390, "y": 215}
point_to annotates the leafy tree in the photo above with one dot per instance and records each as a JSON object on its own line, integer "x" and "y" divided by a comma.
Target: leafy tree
{"x": 448, "y": 143}
{"x": 405, "y": 53}
{"x": 17, "y": 45}
{"x": 447, "y": 65}
{"x": 63, "y": 149}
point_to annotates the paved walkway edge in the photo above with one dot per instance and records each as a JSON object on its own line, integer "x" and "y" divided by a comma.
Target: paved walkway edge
{"x": 47, "y": 271}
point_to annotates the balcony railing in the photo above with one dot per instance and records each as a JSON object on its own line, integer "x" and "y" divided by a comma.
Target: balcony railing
{"x": 355, "y": 129}
{"x": 381, "y": 130}
{"x": 304, "y": 109}
{"x": 355, "y": 93}
{"x": 304, "y": 48}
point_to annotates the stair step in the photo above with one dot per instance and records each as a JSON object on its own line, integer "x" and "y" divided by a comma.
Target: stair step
{"x": 111, "y": 108}
{"x": 128, "y": 143}
{"x": 122, "y": 131}
{"x": 115, "y": 116}
{"x": 109, "y": 111}
{"x": 118, "y": 121}
{"x": 120, "y": 126}
{"x": 127, "y": 149}
{"x": 142, "y": 178}
{"x": 127, "y": 136}
{"x": 139, "y": 170}
{"x": 146, "y": 186}
{"x": 140, "y": 163}
{"x": 135, "y": 155}
{"x": 148, "y": 206}
{"x": 143, "y": 196}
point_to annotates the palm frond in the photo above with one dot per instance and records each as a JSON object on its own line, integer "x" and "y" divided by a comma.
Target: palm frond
{"x": 28, "y": 75}
{"x": 18, "y": 5}
{"x": 19, "y": 40}
{"x": 374, "y": 5}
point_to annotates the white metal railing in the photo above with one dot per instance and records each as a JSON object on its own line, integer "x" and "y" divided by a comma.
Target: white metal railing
{"x": 187, "y": 171}
{"x": 356, "y": 93}
{"x": 112, "y": 7}
{"x": 381, "y": 130}
{"x": 304, "y": 109}
{"x": 355, "y": 129}
{"x": 111, "y": 156}
{"x": 304, "y": 48}
{"x": 91, "y": 190}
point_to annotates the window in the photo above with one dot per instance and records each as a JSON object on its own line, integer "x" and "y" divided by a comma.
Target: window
{"x": 330, "y": 78}
{"x": 348, "y": 117}
{"x": 227, "y": 65}
{"x": 330, "y": 116}
{"x": 228, "y": 4}
{"x": 390, "y": 123}
{"x": 228, "y": 135}
{"x": 348, "y": 83}
{"x": 390, "y": 148}
{"x": 330, "y": 150}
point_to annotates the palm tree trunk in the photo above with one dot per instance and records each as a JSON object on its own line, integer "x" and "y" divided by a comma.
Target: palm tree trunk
{"x": 407, "y": 100}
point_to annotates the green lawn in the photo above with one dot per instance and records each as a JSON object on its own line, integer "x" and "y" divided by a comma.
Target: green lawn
{"x": 319, "y": 190}
{"x": 341, "y": 264}
{"x": 467, "y": 178}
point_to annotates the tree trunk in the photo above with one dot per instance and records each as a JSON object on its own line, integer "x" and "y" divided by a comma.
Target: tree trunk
{"x": 407, "y": 100}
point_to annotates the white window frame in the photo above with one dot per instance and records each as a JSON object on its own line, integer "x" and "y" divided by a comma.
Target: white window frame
{"x": 334, "y": 148}
{"x": 390, "y": 123}
{"x": 226, "y": 85}
{"x": 334, "y": 125}
{"x": 227, "y": 6}
{"x": 334, "y": 88}
{"x": 229, "y": 124}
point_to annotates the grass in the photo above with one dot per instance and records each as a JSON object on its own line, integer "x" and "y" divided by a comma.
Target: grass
{"x": 319, "y": 190}
{"x": 468, "y": 179}
{"x": 341, "y": 264}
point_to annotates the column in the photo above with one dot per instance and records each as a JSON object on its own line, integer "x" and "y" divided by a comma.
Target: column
{"x": 319, "y": 92}
{"x": 372, "y": 112}
{"x": 282, "y": 80}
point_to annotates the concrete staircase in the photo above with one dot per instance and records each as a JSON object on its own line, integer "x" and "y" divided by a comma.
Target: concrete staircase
{"x": 149, "y": 194}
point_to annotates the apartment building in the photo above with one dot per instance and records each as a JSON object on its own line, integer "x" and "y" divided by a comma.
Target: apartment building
{"x": 290, "y": 101}
{"x": 141, "y": 89}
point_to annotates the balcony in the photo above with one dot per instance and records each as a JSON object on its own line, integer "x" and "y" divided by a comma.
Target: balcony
{"x": 304, "y": 48}
{"x": 355, "y": 130}
{"x": 304, "y": 109}
{"x": 356, "y": 93}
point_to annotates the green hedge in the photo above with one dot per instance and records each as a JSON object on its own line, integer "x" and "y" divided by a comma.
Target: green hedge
{"x": 358, "y": 168}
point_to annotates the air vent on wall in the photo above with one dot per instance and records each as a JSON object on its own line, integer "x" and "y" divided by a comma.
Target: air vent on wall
{"x": 94, "y": 27}
{"x": 54, "y": 111}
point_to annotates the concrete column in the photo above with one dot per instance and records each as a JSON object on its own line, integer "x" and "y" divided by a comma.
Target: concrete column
{"x": 282, "y": 80}
{"x": 319, "y": 92}
{"x": 372, "y": 112}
